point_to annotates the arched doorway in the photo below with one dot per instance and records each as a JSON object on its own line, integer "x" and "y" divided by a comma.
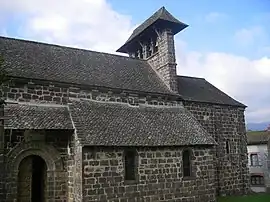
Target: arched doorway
{"x": 32, "y": 181}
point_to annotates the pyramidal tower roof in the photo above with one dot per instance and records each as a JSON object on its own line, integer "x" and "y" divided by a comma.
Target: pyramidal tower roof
{"x": 160, "y": 15}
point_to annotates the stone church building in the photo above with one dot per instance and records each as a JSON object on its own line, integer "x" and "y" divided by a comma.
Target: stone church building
{"x": 81, "y": 125}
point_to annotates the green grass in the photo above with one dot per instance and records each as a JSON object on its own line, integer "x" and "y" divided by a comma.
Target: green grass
{"x": 253, "y": 198}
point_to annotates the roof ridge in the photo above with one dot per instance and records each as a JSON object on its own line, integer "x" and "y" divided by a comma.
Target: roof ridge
{"x": 164, "y": 11}
{"x": 193, "y": 77}
{"x": 68, "y": 47}
{"x": 157, "y": 12}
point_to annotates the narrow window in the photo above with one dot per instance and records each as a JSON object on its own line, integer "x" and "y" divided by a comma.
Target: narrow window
{"x": 186, "y": 163}
{"x": 130, "y": 165}
{"x": 227, "y": 147}
{"x": 254, "y": 160}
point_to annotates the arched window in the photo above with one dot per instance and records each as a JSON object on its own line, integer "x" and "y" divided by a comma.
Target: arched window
{"x": 186, "y": 158}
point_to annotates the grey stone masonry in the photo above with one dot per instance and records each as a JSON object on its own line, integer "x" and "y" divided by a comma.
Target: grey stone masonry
{"x": 159, "y": 175}
{"x": 163, "y": 61}
{"x": 2, "y": 152}
{"x": 53, "y": 149}
{"x": 227, "y": 125}
{"x": 58, "y": 93}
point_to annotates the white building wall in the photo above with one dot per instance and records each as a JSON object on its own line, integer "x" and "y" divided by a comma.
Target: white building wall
{"x": 261, "y": 169}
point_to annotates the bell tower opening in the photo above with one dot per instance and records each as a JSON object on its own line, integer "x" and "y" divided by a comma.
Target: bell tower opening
{"x": 153, "y": 41}
{"x": 32, "y": 179}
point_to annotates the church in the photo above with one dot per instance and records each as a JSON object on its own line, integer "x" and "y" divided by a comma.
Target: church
{"x": 81, "y": 125}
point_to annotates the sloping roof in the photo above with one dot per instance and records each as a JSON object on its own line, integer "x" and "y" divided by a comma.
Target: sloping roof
{"x": 161, "y": 14}
{"x": 200, "y": 90}
{"x": 258, "y": 137}
{"x": 113, "y": 124}
{"x": 36, "y": 60}
{"x": 27, "y": 116}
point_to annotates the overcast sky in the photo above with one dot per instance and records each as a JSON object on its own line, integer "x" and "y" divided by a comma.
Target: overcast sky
{"x": 227, "y": 42}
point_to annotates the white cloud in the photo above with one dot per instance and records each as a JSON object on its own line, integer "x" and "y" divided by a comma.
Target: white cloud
{"x": 248, "y": 36}
{"x": 246, "y": 80}
{"x": 215, "y": 17}
{"x": 85, "y": 23}
{"x": 93, "y": 24}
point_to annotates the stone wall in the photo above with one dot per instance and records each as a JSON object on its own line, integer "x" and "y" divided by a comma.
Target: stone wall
{"x": 71, "y": 169}
{"x": 159, "y": 175}
{"x": 226, "y": 124}
{"x": 2, "y": 153}
{"x": 59, "y": 93}
{"x": 58, "y": 177}
{"x": 163, "y": 62}
{"x": 75, "y": 172}
{"x": 78, "y": 179}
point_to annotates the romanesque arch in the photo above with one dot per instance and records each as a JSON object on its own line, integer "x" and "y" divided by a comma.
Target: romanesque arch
{"x": 47, "y": 152}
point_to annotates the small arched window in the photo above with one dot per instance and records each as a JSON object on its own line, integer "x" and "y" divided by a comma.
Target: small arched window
{"x": 186, "y": 158}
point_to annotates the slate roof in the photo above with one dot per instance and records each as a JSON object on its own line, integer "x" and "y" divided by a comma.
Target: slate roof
{"x": 258, "y": 137}
{"x": 42, "y": 61}
{"x": 200, "y": 90}
{"x": 26, "y": 116}
{"x": 107, "y": 124}
{"x": 161, "y": 15}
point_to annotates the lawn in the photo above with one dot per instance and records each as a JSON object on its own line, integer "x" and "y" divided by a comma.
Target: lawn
{"x": 253, "y": 198}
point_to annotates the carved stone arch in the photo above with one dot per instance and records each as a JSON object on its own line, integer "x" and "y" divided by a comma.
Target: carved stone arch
{"x": 190, "y": 150}
{"x": 47, "y": 152}
{"x": 52, "y": 158}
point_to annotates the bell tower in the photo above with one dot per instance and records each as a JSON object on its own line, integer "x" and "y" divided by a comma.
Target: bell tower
{"x": 153, "y": 41}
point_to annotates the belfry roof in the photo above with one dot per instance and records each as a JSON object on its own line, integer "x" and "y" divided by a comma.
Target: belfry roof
{"x": 161, "y": 15}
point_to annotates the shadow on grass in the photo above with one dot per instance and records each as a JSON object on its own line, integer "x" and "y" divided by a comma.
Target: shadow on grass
{"x": 252, "y": 198}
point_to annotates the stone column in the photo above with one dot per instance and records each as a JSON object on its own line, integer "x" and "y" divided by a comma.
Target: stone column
{"x": 139, "y": 54}
{"x": 144, "y": 51}
{"x": 152, "y": 47}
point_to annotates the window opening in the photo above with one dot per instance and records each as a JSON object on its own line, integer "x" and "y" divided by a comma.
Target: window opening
{"x": 130, "y": 165}
{"x": 186, "y": 163}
